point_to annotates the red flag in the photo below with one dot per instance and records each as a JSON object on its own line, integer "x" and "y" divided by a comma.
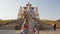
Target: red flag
{"x": 35, "y": 30}
{"x": 25, "y": 25}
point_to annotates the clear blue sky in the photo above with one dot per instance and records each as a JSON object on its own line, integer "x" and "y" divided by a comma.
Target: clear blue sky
{"x": 48, "y": 9}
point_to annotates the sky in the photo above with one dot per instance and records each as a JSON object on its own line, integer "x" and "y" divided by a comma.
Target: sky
{"x": 48, "y": 9}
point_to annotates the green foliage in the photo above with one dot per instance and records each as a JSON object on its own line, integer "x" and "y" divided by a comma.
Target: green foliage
{"x": 51, "y": 22}
{"x": 58, "y": 20}
{"x": 4, "y": 22}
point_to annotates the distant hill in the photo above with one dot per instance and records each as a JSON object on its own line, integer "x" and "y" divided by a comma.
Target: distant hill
{"x": 5, "y": 22}
{"x": 51, "y": 22}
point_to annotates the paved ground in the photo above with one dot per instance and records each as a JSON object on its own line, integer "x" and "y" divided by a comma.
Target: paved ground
{"x": 18, "y": 32}
{"x": 9, "y": 32}
{"x": 50, "y": 32}
{"x": 9, "y": 29}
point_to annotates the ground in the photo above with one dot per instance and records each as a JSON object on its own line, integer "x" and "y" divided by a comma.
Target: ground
{"x": 18, "y": 32}
{"x": 9, "y": 29}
